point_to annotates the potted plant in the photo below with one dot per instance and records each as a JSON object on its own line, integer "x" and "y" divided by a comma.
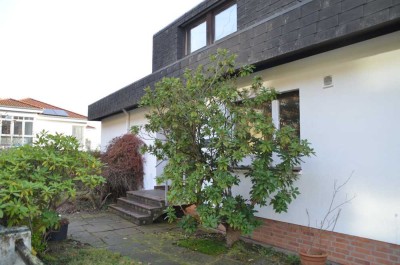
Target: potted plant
{"x": 60, "y": 231}
{"x": 316, "y": 253}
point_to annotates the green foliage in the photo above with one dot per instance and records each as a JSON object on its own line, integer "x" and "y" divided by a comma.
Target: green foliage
{"x": 170, "y": 213}
{"x": 189, "y": 224}
{"x": 293, "y": 260}
{"x": 209, "y": 127}
{"x": 246, "y": 253}
{"x": 204, "y": 245}
{"x": 36, "y": 179}
{"x": 38, "y": 242}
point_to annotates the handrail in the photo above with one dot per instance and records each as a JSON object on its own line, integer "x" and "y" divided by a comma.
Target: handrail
{"x": 25, "y": 253}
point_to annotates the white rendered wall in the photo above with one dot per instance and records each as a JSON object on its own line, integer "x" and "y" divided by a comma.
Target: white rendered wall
{"x": 54, "y": 125}
{"x": 354, "y": 128}
{"x": 94, "y": 134}
{"x": 150, "y": 162}
{"x": 118, "y": 125}
{"x": 112, "y": 127}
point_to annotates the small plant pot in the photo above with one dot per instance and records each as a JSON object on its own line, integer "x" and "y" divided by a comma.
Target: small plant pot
{"x": 316, "y": 257}
{"x": 60, "y": 234}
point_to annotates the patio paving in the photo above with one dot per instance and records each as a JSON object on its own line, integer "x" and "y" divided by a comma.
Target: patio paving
{"x": 149, "y": 244}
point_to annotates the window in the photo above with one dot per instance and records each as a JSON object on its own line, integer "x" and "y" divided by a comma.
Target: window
{"x": 77, "y": 132}
{"x": 198, "y": 36}
{"x": 285, "y": 110}
{"x": 15, "y": 130}
{"x": 289, "y": 110}
{"x": 225, "y": 22}
{"x": 213, "y": 26}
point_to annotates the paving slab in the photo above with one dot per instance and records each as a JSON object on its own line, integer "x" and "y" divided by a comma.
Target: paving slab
{"x": 151, "y": 244}
{"x": 128, "y": 232}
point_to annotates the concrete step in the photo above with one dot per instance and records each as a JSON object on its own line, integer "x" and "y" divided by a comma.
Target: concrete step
{"x": 152, "y": 210}
{"x": 149, "y": 197}
{"x": 131, "y": 215}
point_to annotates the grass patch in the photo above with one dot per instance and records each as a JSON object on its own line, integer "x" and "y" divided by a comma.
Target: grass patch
{"x": 214, "y": 244}
{"x": 71, "y": 252}
{"x": 204, "y": 245}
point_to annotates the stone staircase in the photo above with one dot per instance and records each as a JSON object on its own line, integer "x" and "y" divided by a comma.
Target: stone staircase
{"x": 140, "y": 207}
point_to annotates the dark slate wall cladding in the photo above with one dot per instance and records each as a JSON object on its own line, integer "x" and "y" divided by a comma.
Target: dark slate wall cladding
{"x": 253, "y": 11}
{"x": 293, "y": 30}
{"x": 168, "y": 42}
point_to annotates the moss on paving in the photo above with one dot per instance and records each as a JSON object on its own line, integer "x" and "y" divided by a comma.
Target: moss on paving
{"x": 247, "y": 253}
{"x": 70, "y": 252}
{"x": 203, "y": 245}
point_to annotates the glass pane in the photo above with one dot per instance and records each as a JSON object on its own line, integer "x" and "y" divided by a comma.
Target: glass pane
{"x": 6, "y": 127}
{"x": 6, "y": 140}
{"x": 28, "y": 128}
{"x": 289, "y": 110}
{"x": 198, "y": 37}
{"x": 17, "y": 141}
{"x": 28, "y": 140}
{"x": 77, "y": 132}
{"x": 226, "y": 22}
{"x": 17, "y": 127}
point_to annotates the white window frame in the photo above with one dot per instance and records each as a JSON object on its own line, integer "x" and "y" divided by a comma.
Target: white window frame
{"x": 25, "y": 138}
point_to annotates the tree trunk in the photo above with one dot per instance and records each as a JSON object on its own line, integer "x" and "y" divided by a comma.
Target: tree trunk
{"x": 232, "y": 235}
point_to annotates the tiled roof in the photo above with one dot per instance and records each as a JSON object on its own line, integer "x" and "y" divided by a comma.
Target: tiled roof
{"x": 36, "y": 104}
{"x": 9, "y": 102}
{"x": 43, "y": 105}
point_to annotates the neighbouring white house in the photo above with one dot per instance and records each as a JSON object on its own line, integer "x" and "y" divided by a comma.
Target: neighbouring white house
{"x": 21, "y": 120}
{"x": 338, "y": 61}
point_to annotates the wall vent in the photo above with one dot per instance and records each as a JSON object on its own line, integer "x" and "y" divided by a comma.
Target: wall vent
{"x": 328, "y": 81}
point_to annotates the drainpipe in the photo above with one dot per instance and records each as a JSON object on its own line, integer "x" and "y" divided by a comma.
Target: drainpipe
{"x": 128, "y": 120}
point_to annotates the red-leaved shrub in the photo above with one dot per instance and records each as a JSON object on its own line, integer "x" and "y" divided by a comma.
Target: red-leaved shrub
{"x": 123, "y": 164}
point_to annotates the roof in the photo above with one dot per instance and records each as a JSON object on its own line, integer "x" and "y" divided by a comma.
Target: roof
{"x": 43, "y": 105}
{"x": 9, "y": 102}
{"x": 36, "y": 104}
{"x": 276, "y": 34}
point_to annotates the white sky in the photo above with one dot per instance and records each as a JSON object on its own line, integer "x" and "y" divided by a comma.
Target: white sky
{"x": 71, "y": 53}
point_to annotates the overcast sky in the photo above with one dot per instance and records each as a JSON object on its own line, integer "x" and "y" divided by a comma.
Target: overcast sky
{"x": 71, "y": 53}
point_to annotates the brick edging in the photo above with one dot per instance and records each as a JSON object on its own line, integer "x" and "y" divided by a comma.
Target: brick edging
{"x": 342, "y": 248}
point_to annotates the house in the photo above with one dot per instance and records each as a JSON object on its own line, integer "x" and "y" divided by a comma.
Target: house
{"x": 22, "y": 119}
{"x": 339, "y": 62}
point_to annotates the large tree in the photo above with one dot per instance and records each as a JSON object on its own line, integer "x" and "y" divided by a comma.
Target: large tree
{"x": 209, "y": 126}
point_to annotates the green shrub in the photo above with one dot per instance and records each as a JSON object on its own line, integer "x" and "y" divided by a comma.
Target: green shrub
{"x": 209, "y": 126}
{"x": 36, "y": 179}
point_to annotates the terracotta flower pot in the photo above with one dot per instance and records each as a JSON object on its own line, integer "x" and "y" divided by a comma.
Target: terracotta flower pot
{"x": 314, "y": 257}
